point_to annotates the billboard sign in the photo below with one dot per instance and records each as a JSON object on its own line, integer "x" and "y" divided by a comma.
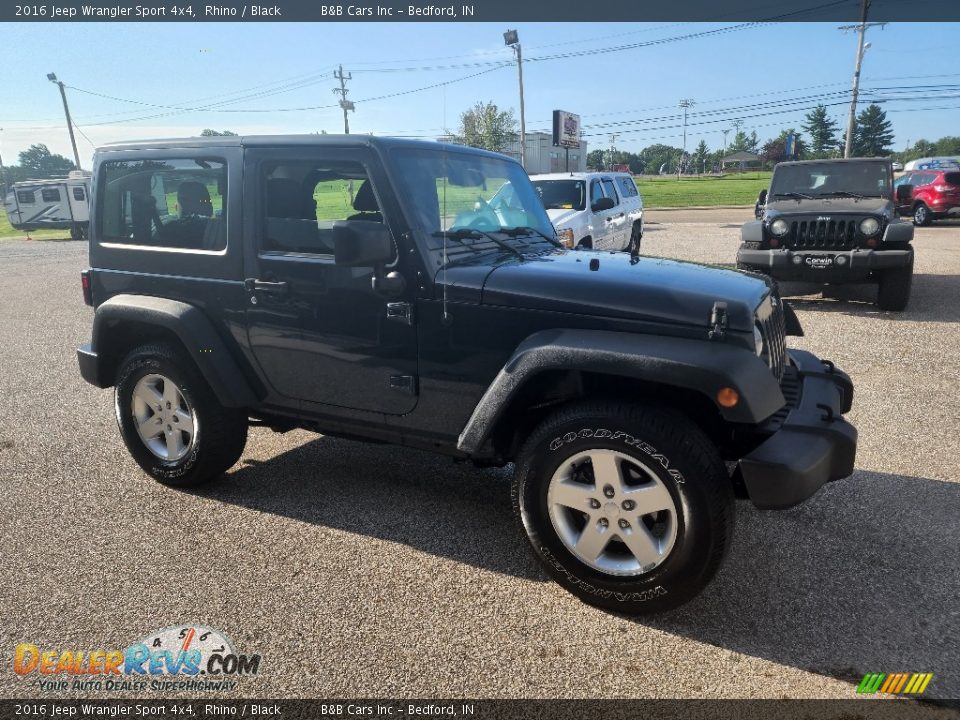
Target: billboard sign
{"x": 566, "y": 129}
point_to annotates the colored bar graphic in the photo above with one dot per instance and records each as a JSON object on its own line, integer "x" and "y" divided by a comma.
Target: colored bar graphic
{"x": 894, "y": 683}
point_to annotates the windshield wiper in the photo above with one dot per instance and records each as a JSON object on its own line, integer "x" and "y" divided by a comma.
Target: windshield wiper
{"x": 461, "y": 234}
{"x": 793, "y": 195}
{"x": 844, "y": 193}
{"x": 525, "y": 230}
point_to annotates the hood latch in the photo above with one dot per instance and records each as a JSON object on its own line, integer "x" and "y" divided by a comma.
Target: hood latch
{"x": 718, "y": 320}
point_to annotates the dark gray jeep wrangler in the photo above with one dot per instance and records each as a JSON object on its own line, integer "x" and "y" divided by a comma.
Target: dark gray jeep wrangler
{"x": 832, "y": 221}
{"x": 365, "y": 288}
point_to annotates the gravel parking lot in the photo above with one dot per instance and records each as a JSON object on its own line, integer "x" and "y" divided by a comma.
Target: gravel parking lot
{"x": 373, "y": 571}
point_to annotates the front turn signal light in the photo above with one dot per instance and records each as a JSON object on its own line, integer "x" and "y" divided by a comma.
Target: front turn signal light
{"x": 566, "y": 237}
{"x": 727, "y": 397}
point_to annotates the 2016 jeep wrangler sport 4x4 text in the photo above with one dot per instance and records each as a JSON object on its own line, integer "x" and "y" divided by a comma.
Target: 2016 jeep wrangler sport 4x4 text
{"x": 365, "y": 288}
{"x": 832, "y": 221}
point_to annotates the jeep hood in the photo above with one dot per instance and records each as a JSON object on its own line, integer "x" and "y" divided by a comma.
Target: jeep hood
{"x": 638, "y": 288}
{"x": 826, "y": 206}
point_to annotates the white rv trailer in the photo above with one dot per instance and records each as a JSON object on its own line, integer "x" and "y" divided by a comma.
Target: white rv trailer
{"x": 55, "y": 203}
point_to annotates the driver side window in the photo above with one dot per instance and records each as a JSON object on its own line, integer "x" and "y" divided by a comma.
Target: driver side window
{"x": 596, "y": 191}
{"x": 303, "y": 199}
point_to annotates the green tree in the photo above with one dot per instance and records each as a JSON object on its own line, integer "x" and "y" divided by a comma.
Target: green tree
{"x": 822, "y": 131}
{"x": 207, "y": 132}
{"x": 775, "y": 150}
{"x": 873, "y": 133}
{"x": 595, "y": 159}
{"x": 744, "y": 142}
{"x": 700, "y": 155}
{"x": 949, "y": 145}
{"x": 38, "y": 162}
{"x": 655, "y": 156}
{"x": 486, "y": 126}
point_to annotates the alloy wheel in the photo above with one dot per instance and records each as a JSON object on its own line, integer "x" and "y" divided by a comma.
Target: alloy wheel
{"x": 612, "y": 512}
{"x": 163, "y": 418}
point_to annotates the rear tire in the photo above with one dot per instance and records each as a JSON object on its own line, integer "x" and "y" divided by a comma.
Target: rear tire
{"x": 922, "y": 215}
{"x": 170, "y": 420}
{"x": 575, "y": 480}
{"x": 893, "y": 292}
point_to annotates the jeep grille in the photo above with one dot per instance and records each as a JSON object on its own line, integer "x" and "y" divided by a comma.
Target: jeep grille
{"x": 840, "y": 233}
{"x": 770, "y": 317}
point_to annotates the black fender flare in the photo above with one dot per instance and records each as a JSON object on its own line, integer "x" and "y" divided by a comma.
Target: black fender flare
{"x": 699, "y": 365}
{"x": 194, "y": 330}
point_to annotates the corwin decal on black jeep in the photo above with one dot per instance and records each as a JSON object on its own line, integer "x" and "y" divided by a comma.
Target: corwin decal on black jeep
{"x": 642, "y": 596}
{"x": 559, "y": 442}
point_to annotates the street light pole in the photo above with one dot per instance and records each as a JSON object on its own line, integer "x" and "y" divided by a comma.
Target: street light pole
{"x": 52, "y": 77}
{"x": 511, "y": 38}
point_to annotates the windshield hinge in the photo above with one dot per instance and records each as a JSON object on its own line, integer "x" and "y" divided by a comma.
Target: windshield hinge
{"x": 718, "y": 320}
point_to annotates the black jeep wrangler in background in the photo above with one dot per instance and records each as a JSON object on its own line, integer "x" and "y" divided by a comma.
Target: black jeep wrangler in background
{"x": 832, "y": 221}
{"x": 364, "y": 288}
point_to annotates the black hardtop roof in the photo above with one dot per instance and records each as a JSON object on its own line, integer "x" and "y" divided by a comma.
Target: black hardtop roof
{"x": 348, "y": 141}
{"x": 835, "y": 160}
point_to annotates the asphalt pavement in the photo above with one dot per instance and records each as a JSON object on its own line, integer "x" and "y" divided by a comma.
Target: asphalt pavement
{"x": 373, "y": 571}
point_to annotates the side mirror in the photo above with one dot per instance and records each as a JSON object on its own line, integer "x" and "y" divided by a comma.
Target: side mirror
{"x": 602, "y": 204}
{"x": 762, "y": 197}
{"x": 904, "y": 193}
{"x": 361, "y": 243}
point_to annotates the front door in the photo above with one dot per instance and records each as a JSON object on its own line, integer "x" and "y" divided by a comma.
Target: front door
{"x": 320, "y": 332}
{"x": 599, "y": 220}
{"x": 616, "y": 219}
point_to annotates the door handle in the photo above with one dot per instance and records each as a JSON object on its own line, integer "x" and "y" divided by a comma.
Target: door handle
{"x": 255, "y": 285}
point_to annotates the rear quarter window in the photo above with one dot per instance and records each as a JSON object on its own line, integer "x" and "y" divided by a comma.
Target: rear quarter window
{"x": 627, "y": 187}
{"x": 952, "y": 178}
{"x": 169, "y": 203}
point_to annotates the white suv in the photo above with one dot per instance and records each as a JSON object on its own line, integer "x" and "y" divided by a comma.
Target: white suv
{"x": 600, "y": 210}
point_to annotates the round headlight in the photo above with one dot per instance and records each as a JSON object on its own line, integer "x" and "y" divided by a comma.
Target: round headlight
{"x": 869, "y": 226}
{"x": 779, "y": 227}
{"x": 757, "y": 340}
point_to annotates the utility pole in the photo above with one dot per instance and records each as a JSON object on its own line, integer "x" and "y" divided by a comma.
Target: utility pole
{"x": 613, "y": 149}
{"x": 342, "y": 91}
{"x": 725, "y": 132}
{"x": 52, "y": 77}
{"x": 686, "y": 104}
{"x": 3, "y": 179}
{"x": 511, "y": 38}
{"x": 861, "y": 29}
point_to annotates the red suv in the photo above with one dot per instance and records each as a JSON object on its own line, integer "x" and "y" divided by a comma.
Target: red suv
{"x": 935, "y": 194}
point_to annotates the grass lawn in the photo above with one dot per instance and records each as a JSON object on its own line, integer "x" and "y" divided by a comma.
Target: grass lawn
{"x": 7, "y": 232}
{"x": 667, "y": 191}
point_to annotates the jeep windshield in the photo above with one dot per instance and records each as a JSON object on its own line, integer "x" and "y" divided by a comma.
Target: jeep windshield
{"x": 831, "y": 179}
{"x": 472, "y": 203}
{"x": 562, "y": 194}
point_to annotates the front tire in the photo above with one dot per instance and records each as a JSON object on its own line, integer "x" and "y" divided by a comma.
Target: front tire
{"x": 636, "y": 236}
{"x": 170, "y": 420}
{"x": 628, "y": 507}
{"x": 893, "y": 292}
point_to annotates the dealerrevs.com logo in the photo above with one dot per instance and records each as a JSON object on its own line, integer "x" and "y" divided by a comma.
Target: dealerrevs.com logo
{"x": 181, "y": 657}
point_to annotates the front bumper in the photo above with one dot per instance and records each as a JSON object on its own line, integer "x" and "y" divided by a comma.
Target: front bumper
{"x": 823, "y": 265}
{"x": 811, "y": 443}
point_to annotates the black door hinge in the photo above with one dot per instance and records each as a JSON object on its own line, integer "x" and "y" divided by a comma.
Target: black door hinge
{"x": 401, "y": 312}
{"x": 406, "y": 384}
{"x": 718, "y": 320}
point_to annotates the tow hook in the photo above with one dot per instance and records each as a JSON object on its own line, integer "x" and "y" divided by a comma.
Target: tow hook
{"x": 828, "y": 415}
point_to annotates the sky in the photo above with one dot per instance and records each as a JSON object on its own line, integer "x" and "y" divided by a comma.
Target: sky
{"x": 149, "y": 80}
